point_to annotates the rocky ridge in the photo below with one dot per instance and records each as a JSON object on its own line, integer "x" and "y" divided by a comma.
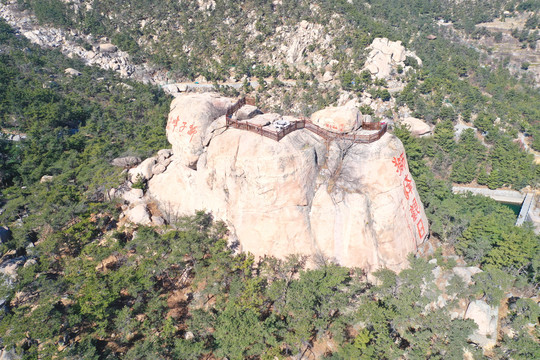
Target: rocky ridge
{"x": 74, "y": 43}
{"x": 353, "y": 203}
{"x": 292, "y": 44}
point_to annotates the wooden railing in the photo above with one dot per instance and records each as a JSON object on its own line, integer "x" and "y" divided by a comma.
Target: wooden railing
{"x": 301, "y": 124}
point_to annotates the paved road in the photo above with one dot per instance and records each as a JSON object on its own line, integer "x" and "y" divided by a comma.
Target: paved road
{"x": 508, "y": 196}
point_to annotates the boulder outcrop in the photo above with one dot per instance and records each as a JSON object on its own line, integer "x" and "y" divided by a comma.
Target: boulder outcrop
{"x": 385, "y": 56}
{"x": 341, "y": 119}
{"x": 417, "y": 126}
{"x": 352, "y": 203}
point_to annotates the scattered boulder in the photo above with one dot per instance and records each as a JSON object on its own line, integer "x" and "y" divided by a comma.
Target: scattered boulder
{"x": 144, "y": 170}
{"x": 247, "y": 112}
{"x": 72, "y": 72}
{"x": 107, "y": 48}
{"x": 164, "y": 154}
{"x": 158, "y": 220}
{"x": 9, "y": 267}
{"x": 264, "y": 119}
{"x": 466, "y": 273}
{"x": 385, "y": 56}
{"x": 133, "y": 196}
{"x": 29, "y": 262}
{"x": 46, "y": 179}
{"x": 139, "y": 215}
{"x": 342, "y": 119}
{"x": 328, "y": 76}
{"x": 417, "y": 126}
{"x": 9, "y": 355}
{"x": 158, "y": 169}
{"x": 126, "y": 161}
{"x": 486, "y": 317}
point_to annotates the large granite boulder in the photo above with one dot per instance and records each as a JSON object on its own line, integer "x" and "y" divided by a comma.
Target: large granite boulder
{"x": 385, "y": 56}
{"x": 417, "y": 126}
{"x": 190, "y": 117}
{"x": 353, "y": 203}
{"x": 341, "y": 119}
{"x": 486, "y": 317}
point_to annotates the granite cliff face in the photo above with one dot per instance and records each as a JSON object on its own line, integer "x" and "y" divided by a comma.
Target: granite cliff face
{"x": 354, "y": 203}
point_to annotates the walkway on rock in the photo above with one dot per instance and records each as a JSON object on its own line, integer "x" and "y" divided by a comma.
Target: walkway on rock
{"x": 303, "y": 124}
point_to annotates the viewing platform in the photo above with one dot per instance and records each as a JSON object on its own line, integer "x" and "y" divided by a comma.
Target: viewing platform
{"x": 278, "y": 130}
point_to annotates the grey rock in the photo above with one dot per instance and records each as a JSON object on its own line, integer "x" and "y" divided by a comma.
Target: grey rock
{"x": 486, "y": 317}
{"x": 466, "y": 273}
{"x": 72, "y": 72}
{"x": 126, "y": 161}
{"x": 139, "y": 215}
{"x": 46, "y": 178}
{"x": 107, "y": 48}
{"x": 247, "y": 112}
{"x": 144, "y": 170}
{"x": 8, "y": 355}
{"x": 164, "y": 154}
{"x": 133, "y": 196}
{"x": 158, "y": 220}
{"x": 158, "y": 169}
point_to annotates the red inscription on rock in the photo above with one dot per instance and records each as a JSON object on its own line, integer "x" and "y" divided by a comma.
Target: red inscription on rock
{"x": 399, "y": 163}
{"x": 192, "y": 131}
{"x": 415, "y": 210}
{"x": 407, "y": 186}
{"x": 420, "y": 228}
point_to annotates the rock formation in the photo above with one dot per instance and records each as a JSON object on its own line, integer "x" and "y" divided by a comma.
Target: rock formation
{"x": 417, "y": 126}
{"x": 353, "y": 203}
{"x": 385, "y": 56}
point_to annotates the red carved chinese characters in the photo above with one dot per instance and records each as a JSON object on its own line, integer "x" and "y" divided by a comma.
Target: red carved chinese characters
{"x": 407, "y": 186}
{"x": 174, "y": 125}
{"x": 415, "y": 210}
{"x": 181, "y": 127}
{"x": 420, "y": 228}
{"x": 192, "y": 131}
{"x": 399, "y": 163}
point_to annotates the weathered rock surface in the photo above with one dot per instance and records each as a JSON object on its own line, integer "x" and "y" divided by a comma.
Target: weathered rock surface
{"x": 485, "y": 317}
{"x": 247, "y": 112}
{"x": 139, "y": 215}
{"x": 341, "y": 119}
{"x": 104, "y": 55}
{"x": 133, "y": 195}
{"x": 190, "y": 117}
{"x": 107, "y": 48}
{"x": 466, "y": 273}
{"x": 417, "y": 126}
{"x": 126, "y": 161}
{"x": 353, "y": 203}
{"x": 72, "y": 72}
{"x": 143, "y": 170}
{"x": 385, "y": 56}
